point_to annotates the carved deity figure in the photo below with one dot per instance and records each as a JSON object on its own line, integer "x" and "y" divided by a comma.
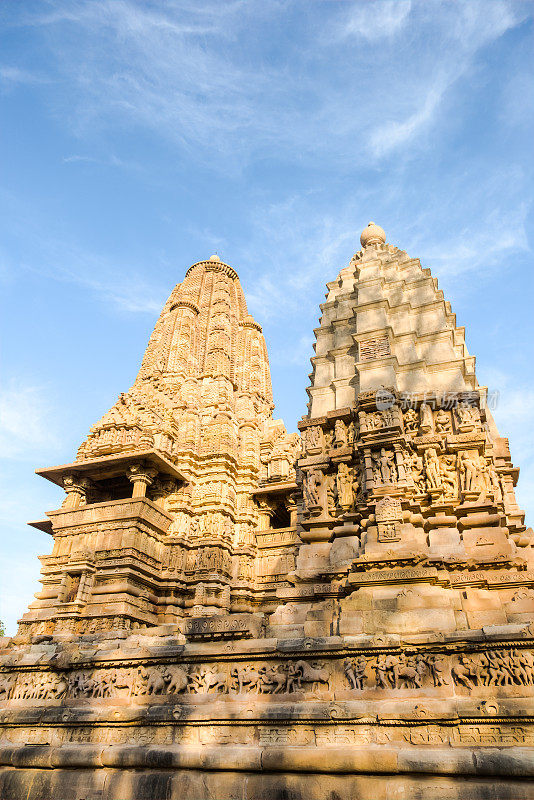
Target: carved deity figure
{"x": 464, "y": 672}
{"x": 354, "y": 669}
{"x": 385, "y": 469}
{"x": 425, "y": 419}
{"x": 468, "y": 416}
{"x": 313, "y": 437}
{"x": 447, "y": 467}
{"x": 388, "y": 418}
{"x": 331, "y": 494}
{"x": 494, "y": 482}
{"x": 344, "y": 485}
{"x": 373, "y": 421}
{"x": 356, "y": 484}
{"x": 410, "y": 420}
{"x": 472, "y": 468}
{"x": 432, "y": 470}
{"x": 436, "y": 665}
{"x": 443, "y": 421}
{"x": 312, "y": 481}
{"x": 417, "y": 469}
{"x": 340, "y": 434}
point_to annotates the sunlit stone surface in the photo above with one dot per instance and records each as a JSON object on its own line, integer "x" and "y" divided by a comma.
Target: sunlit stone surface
{"x": 232, "y": 611}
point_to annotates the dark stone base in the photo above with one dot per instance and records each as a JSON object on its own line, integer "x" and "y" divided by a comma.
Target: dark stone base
{"x": 108, "y": 784}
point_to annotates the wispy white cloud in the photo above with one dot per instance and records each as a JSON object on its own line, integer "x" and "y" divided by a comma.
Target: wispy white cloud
{"x": 306, "y": 247}
{"x": 377, "y": 20}
{"x": 393, "y": 134}
{"x": 27, "y": 422}
{"x": 11, "y": 77}
{"x": 202, "y": 76}
{"x": 74, "y": 159}
{"x": 481, "y": 244}
{"x": 127, "y": 290}
{"x": 110, "y": 160}
{"x": 461, "y": 31}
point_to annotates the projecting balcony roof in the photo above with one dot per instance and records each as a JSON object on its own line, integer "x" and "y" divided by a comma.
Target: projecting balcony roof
{"x": 111, "y": 466}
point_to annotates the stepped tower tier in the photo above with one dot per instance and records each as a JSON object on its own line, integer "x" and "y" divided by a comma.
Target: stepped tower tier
{"x": 230, "y": 610}
{"x": 385, "y": 323}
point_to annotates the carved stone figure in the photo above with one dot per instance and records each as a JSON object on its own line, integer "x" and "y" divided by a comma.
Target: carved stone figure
{"x": 313, "y": 437}
{"x": 463, "y": 672}
{"x": 436, "y": 665}
{"x": 355, "y": 671}
{"x": 246, "y": 677}
{"x": 340, "y": 434}
{"x": 468, "y": 416}
{"x": 417, "y": 471}
{"x": 307, "y": 673}
{"x": 411, "y": 420}
{"x": 380, "y": 669}
{"x": 344, "y": 486}
{"x": 154, "y": 679}
{"x": 385, "y": 471}
{"x": 426, "y": 422}
{"x": 472, "y": 469}
{"x": 332, "y": 494}
{"x": 448, "y": 473}
{"x": 494, "y": 483}
{"x": 357, "y": 487}
{"x": 311, "y": 483}
{"x": 176, "y": 679}
{"x": 432, "y": 468}
{"x": 443, "y": 421}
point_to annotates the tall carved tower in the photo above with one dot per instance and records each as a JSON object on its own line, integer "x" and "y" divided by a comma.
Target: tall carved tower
{"x": 159, "y": 517}
{"x": 230, "y": 610}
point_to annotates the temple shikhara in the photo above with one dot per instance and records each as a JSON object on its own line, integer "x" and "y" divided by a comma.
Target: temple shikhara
{"x": 229, "y": 610}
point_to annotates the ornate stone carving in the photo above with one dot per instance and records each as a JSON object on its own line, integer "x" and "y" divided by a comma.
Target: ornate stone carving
{"x": 426, "y": 422}
{"x": 313, "y": 479}
{"x": 344, "y": 486}
{"x": 340, "y": 434}
{"x": 384, "y": 467}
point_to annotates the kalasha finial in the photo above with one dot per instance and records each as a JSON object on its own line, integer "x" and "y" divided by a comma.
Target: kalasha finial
{"x": 373, "y": 234}
{"x": 214, "y": 257}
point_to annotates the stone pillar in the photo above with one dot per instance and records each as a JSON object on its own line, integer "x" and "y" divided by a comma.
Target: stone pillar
{"x": 141, "y": 476}
{"x": 76, "y": 489}
{"x": 292, "y": 508}
{"x": 265, "y": 515}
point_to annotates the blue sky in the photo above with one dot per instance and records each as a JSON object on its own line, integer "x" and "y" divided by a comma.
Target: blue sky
{"x": 140, "y": 137}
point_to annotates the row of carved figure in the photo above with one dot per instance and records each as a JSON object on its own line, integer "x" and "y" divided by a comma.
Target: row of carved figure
{"x": 491, "y": 668}
{"x": 315, "y": 438}
{"x": 495, "y": 668}
{"x": 396, "y": 671}
{"x": 388, "y": 671}
{"x": 468, "y": 470}
{"x": 167, "y": 679}
{"x": 465, "y": 416}
{"x": 431, "y": 471}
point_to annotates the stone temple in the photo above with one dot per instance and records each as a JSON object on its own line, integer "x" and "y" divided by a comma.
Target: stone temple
{"x": 233, "y": 611}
